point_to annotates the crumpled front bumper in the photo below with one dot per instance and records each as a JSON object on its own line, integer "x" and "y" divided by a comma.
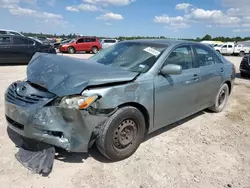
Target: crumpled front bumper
{"x": 69, "y": 129}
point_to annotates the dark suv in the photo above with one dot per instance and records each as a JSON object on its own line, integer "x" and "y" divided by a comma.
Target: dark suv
{"x": 86, "y": 44}
{"x": 245, "y": 66}
{"x": 19, "y": 49}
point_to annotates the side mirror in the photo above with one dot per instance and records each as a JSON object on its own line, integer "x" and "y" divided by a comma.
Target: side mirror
{"x": 171, "y": 69}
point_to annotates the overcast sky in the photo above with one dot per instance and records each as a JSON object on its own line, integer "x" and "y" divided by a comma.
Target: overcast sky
{"x": 171, "y": 18}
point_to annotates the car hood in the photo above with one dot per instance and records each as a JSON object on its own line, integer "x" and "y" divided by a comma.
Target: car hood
{"x": 68, "y": 76}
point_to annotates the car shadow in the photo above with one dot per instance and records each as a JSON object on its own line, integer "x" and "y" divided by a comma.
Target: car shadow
{"x": 93, "y": 152}
{"x": 12, "y": 64}
{"x": 173, "y": 125}
{"x": 238, "y": 76}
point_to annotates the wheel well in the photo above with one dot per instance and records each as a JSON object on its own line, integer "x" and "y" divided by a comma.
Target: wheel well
{"x": 71, "y": 47}
{"x": 94, "y": 47}
{"x": 229, "y": 86}
{"x": 142, "y": 109}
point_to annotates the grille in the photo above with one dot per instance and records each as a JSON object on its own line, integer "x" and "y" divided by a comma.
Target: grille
{"x": 26, "y": 100}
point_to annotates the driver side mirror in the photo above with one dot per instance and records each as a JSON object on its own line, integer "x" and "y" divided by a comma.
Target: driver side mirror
{"x": 171, "y": 69}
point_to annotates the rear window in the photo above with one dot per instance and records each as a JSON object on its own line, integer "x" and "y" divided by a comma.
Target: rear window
{"x": 109, "y": 41}
{"x": 4, "y": 40}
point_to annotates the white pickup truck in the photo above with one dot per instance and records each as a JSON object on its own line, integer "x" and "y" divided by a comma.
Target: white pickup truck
{"x": 232, "y": 48}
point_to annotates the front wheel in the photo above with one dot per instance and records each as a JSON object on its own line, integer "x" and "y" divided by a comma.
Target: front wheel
{"x": 221, "y": 99}
{"x": 121, "y": 134}
{"x": 71, "y": 50}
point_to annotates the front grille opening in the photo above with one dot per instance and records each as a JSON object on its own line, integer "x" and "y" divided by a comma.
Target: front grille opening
{"x": 54, "y": 133}
{"x": 14, "y": 123}
{"x": 39, "y": 87}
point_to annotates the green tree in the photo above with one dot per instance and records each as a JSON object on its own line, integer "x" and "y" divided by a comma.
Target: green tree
{"x": 207, "y": 37}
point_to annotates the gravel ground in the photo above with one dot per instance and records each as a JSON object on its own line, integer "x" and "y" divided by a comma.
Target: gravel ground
{"x": 206, "y": 150}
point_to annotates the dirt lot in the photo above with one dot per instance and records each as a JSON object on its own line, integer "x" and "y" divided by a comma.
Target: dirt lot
{"x": 207, "y": 150}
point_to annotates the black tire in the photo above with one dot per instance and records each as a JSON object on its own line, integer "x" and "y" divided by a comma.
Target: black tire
{"x": 94, "y": 50}
{"x": 121, "y": 134}
{"x": 222, "y": 95}
{"x": 71, "y": 50}
{"x": 242, "y": 74}
{"x": 241, "y": 54}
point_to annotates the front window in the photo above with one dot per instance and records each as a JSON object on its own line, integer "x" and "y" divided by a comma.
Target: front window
{"x": 132, "y": 56}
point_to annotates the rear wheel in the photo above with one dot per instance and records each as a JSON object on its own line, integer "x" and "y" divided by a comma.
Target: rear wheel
{"x": 122, "y": 134}
{"x": 71, "y": 50}
{"x": 94, "y": 50}
{"x": 221, "y": 99}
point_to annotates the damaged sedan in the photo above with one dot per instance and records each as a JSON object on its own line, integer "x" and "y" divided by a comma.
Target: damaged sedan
{"x": 118, "y": 96}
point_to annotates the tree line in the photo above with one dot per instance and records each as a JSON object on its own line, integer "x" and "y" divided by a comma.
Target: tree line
{"x": 198, "y": 39}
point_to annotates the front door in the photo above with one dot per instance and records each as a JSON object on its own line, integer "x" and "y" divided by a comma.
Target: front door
{"x": 224, "y": 49}
{"x": 211, "y": 73}
{"x": 176, "y": 95}
{"x": 80, "y": 45}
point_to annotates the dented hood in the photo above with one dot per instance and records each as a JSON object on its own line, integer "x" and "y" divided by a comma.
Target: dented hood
{"x": 63, "y": 75}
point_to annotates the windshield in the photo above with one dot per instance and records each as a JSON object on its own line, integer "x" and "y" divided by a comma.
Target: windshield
{"x": 132, "y": 56}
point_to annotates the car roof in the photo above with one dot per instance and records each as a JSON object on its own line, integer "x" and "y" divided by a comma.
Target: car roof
{"x": 9, "y": 30}
{"x": 162, "y": 41}
{"x": 8, "y": 35}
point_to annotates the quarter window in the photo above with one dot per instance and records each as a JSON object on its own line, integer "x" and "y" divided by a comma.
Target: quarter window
{"x": 4, "y": 40}
{"x": 181, "y": 56}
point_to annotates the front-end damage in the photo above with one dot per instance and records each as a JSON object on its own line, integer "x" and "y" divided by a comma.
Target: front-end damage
{"x": 52, "y": 122}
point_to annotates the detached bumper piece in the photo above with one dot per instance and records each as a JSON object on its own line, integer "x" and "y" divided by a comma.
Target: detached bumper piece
{"x": 39, "y": 162}
{"x": 36, "y": 156}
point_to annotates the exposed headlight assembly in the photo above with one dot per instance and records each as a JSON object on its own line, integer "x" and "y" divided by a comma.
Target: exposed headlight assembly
{"x": 78, "y": 102}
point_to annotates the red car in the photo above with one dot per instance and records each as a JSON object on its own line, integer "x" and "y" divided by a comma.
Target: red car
{"x": 87, "y": 44}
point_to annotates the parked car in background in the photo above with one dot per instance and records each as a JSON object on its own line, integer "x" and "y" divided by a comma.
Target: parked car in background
{"x": 10, "y": 32}
{"x": 118, "y": 96}
{"x": 245, "y": 66}
{"x": 108, "y": 42}
{"x": 63, "y": 41}
{"x": 86, "y": 44}
{"x": 231, "y": 48}
{"x": 19, "y": 49}
{"x": 217, "y": 47}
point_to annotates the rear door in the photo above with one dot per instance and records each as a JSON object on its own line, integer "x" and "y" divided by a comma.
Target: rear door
{"x": 211, "y": 73}
{"x": 6, "y": 55}
{"x": 89, "y": 43}
{"x": 20, "y": 49}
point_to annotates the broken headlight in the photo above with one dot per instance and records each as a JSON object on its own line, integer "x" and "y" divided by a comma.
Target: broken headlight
{"x": 78, "y": 102}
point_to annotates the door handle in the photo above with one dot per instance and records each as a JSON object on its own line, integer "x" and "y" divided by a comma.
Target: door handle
{"x": 194, "y": 79}
{"x": 222, "y": 69}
